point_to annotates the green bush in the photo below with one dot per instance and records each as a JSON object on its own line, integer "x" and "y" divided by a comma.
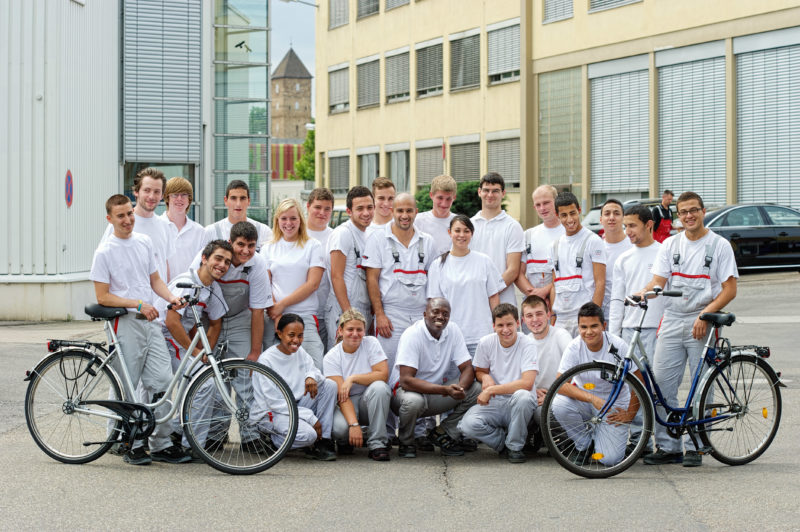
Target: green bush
{"x": 467, "y": 200}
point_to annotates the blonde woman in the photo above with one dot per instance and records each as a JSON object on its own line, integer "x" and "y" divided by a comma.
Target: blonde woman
{"x": 296, "y": 264}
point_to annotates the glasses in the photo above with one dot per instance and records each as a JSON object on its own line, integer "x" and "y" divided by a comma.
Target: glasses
{"x": 686, "y": 212}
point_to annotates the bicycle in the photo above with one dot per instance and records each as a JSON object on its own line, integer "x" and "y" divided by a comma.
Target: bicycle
{"x": 76, "y": 409}
{"x": 735, "y": 415}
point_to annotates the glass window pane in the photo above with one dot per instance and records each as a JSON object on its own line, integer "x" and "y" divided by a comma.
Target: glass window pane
{"x": 240, "y": 81}
{"x": 248, "y": 46}
{"x": 781, "y": 216}
{"x": 243, "y": 118}
{"x": 241, "y": 154}
{"x": 241, "y": 13}
{"x": 170, "y": 170}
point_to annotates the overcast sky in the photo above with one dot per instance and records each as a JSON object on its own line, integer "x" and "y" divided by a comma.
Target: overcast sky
{"x": 293, "y": 23}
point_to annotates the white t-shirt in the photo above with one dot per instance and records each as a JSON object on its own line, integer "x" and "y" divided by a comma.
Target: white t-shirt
{"x": 375, "y": 227}
{"x": 403, "y": 284}
{"x": 467, "y": 283}
{"x": 550, "y": 349}
{"x": 325, "y": 283}
{"x": 577, "y": 353}
{"x": 692, "y": 261}
{"x": 256, "y": 279}
{"x": 575, "y": 286}
{"x": 497, "y": 237}
{"x": 125, "y": 264}
{"x": 436, "y": 227}
{"x": 186, "y": 243}
{"x": 537, "y": 262}
{"x": 337, "y": 363}
{"x": 160, "y": 235}
{"x": 632, "y": 271}
{"x": 221, "y": 230}
{"x": 506, "y": 364}
{"x": 433, "y": 359}
{"x": 294, "y": 369}
{"x": 289, "y": 264}
{"x": 210, "y": 302}
{"x": 613, "y": 251}
{"x": 347, "y": 238}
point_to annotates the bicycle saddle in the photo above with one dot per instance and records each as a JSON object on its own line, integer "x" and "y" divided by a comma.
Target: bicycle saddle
{"x": 104, "y": 313}
{"x": 719, "y": 319}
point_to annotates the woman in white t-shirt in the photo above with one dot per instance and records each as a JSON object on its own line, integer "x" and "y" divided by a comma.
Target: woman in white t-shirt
{"x": 469, "y": 281}
{"x": 296, "y": 264}
{"x": 358, "y": 366}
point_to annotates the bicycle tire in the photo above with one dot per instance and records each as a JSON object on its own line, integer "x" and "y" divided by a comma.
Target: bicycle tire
{"x": 593, "y": 447}
{"x": 745, "y": 436}
{"x": 50, "y": 400}
{"x": 232, "y": 442}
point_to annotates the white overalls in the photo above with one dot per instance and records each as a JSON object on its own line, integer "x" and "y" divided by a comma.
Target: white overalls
{"x": 570, "y": 290}
{"x": 356, "y": 294}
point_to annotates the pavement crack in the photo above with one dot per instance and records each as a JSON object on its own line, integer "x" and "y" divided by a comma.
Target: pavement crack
{"x": 448, "y": 488}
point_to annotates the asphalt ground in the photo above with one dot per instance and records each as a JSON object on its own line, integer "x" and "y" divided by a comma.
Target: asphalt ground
{"x": 431, "y": 492}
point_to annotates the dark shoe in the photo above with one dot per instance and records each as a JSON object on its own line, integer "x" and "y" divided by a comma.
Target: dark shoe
{"x": 583, "y": 458}
{"x": 176, "y": 438}
{"x": 261, "y": 445}
{"x": 692, "y": 459}
{"x": 137, "y": 456}
{"x": 381, "y": 454}
{"x": 447, "y": 445}
{"x": 515, "y": 457}
{"x": 322, "y": 450}
{"x": 424, "y": 444}
{"x": 394, "y": 441}
{"x": 344, "y": 449}
{"x": 172, "y": 455}
{"x": 661, "y": 457}
{"x": 195, "y": 457}
{"x": 407, "y": 451}
{"x": 469, "y": 445}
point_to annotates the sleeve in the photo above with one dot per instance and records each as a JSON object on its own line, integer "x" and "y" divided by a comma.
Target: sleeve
{"x": 407, "y": 351}
{"x": 375, "y": 353}
{"x": 662, "y": 266}
{"x": 210, "y": 234}
{"x": 316, "y": 258}
{"x": 308, "y": 369}
{"x": 434, "y": 279}
{"x": 460, "y": 352}
{"x": 100, "y": 271}
{"x": 264, "y": 233}
{"x": 726, "y": 261}
{"x": 595, "y": 250}
{"x": 372, "y": 250}
{"x": 515, "y": 241}
{"x": 570, "y": 356}
{"x": 216, "y": 303}
{"x": 617, "y": 306}
{"x": 331, "y": 364}
{"x": 482, "y": 353}
{"x": 260, "y": 292}
{"x": 494, "y": 281}
{"x": 340, "y": 240}
{"x": 530, "y": 357}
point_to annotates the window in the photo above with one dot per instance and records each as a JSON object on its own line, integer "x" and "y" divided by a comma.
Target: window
{"x": 560, "y": 127}
{"x": 600, "y": 5}
{"x": 429, "y": 164}
{"x": 296, "y": 87}
{"x": 429, "y": 71}
{"x": 504, "y": 54}
{"x": 465, "y": 62}
{"x": 369, "y": 83}
{"x": 398, "y": 169}
{"x": 742, "y": 217}
{"x": 337, "y": 13}
{"x": 465, "y": 161}
{"x": 397, "y": 78}
{"x": 296, "y": 106}
{"x": 368, "y": 7}
{"x": 340, "y": 174}
{"x": 339, "y": 90}
{"x": 391, "y": 4}
{"x": 367, "y": 168}
{"x": 781, "y": 216}
{"x": 277, "y": 89}
{"x": 503, "y": 158}
{"x": 555, "y": 10}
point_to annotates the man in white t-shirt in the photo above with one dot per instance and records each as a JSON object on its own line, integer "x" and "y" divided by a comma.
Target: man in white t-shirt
{"x": 701, "y": 265}
{"x": 579, "y": 402}
{"x": 188, "y": 236}
{"x": 579, "y": 267}
{"x": 616, "y": 242}
{"x": 536, "y": 271}
{"x": 319, "y": 209}
{"x": 421, "y": 380}
{"x": 506, "y": 366}
{"x": 237, "y": 200}
{"x": 497, "y": 234}
{"x": 436, "y": 222}
{"x": 125, "y": 274}
{"x": 384, "y": 192}
{"x": 345, "y": 250}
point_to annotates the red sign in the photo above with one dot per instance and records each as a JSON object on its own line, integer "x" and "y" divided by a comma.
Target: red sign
{"x": 68, "y": 190}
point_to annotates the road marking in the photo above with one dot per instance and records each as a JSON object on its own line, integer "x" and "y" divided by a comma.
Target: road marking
{"x": 767, "y": 320}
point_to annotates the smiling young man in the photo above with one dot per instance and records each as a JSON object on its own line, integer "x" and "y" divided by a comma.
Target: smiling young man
{"x": 384, "y": 192}
{"x": 579, "y": 267}
{"x": 188, "y": 236}
{"x": 497, "y": 234}
{"x": 237, "y": 201}
{"x": 702, "y": 266}
{"x": 346, "y": 273}
{"x": 506, "y": 365}
{"x": 616, "y": 242}
{"x": 436, "y": 222}
{"x": 320, "y": 208}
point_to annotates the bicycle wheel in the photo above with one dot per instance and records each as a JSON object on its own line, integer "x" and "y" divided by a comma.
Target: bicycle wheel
{"x": 58, "y": 386}
{"x": 745, "y": 390}
{"x": 596, "y": 443}
{"x": 241, "y": 440}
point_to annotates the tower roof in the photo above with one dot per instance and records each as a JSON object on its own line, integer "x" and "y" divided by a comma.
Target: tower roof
{"x": 291, "y": 67}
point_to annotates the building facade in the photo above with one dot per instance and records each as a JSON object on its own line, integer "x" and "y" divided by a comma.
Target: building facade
{"x": 291, "y": 100}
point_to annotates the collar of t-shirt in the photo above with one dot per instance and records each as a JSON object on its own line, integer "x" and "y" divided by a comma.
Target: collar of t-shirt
{"x": 428, "y": 336}
{"x": 387, "y": 232}
{"x": 500, "y": 217}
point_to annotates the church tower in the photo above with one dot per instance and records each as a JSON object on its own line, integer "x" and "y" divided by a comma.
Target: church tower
{"x": 291, "y": 100}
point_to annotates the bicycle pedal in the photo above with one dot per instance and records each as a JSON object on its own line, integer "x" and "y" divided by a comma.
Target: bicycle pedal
{"x": 704, "y": 451}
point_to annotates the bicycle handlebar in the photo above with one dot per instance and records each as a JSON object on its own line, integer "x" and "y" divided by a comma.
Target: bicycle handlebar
{"x": 636, "y": 299}
{"x": 193, "y": 300}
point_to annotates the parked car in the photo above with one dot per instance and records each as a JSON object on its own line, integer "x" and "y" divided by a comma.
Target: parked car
{"x": 762, "y": 235}
{"x": 592, "y": 218}
{"x": 339, "y": 216}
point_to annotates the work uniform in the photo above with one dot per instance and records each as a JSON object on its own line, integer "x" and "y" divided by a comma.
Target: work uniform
{"x": 536, "y": 259}
{"x": 504, "y": 421}
{"x": 160, "y": 236}
{"x": 613, "y": 251}
{"x": 126, "y": 264}
{"x": 696, "y": 268}
{"x": 662, "y": 222}
{"x": 221, "y": 230}
{"x": 187, "y": 242}
{"x": 433, "y": 359}
{"x": 549, "y": 351}
{"x": 371, "y": 403}
{"x": 350, "y": 241}
{"x": 467, "y": 283}
{"x": 324, "y": 285}
{"x": 497, "y": 237}
{"x": 609, "y": 439}
{"x": 438, "y": 228}
{"x": 574, "y": 275}
{"x": 269, "y": 405}
{"x": 289, "y": 263}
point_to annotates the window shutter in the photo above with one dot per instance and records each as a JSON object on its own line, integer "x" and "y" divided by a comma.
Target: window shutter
{"x": 504, "y": 50}
{"x": 465, "y": 62}
{"x": 465, "y": 162}
{"x": 503, "y": 158}
{"x": 557, "y": 10}
{"x": 429, "y": 164}
{"x": 597, "y": 5}
{"x": 368, "y": 164}
{"x": 367, "y": 7}
{"x": 397, "y": 77}
{"x": 338, "y": 89}
{"x": 340, "y": 173}
{"x": 337, "y": 12}
{"x": 429, "y": 70}
{"x": 560, "y": 127}
{"x": 390, "y": 4}
{"x": 369, "y": 83}
{"x": 398, "y": 170}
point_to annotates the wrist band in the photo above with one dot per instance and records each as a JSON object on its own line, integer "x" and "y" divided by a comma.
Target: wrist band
{"x": 354, "y": 425}
{"x": 139, "y": 308}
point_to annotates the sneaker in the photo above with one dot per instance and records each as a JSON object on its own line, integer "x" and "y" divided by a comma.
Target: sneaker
{"x": 176, "y": 438}
{"x": 692, "y": 459}
{"x": 469, "y": 445}
{"x": 407, "y": 451}
{"x": 447, "y": 445}
{"x": 515, "y": 457}
{"x": 137, "y": 456}
{"x": 261, "y": 445}
{"x": 344, "y": 449}
{"x": 172, "y": 455}
{"x": 394, "y": 441}
{"x": 322, "y": 450}
{"x": 661, "y": 457}
{"x": 423, "y": 443}
{"x": 381, "y": 454}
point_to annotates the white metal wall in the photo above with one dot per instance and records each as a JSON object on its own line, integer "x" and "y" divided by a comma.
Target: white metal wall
{"x": 59, "y": 111}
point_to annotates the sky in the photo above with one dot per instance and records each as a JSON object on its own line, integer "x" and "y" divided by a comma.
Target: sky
{"x": 293, "y": 23}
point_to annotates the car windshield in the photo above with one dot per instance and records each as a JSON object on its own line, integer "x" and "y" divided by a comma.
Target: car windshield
{"x": 592, "y": 217}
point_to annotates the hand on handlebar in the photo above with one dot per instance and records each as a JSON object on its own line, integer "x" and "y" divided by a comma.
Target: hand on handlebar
{"x": 178, "y": 303}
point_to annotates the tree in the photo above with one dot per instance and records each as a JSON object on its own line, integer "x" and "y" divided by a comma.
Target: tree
{"x": 258, "y": 120}
{"x": 467, "y": 201}
{"x": 305, "y": 167}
